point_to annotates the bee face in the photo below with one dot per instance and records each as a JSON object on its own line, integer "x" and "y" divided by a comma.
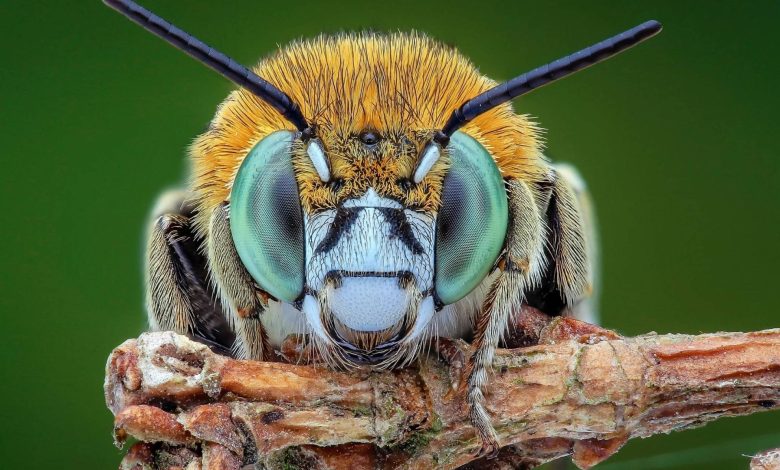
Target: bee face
{"x": 369, "y": 260}
{"x": 369, "y": 238}
{"x": 369, "y": 274}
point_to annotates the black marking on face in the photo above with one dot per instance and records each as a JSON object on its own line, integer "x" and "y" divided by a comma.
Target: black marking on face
{"x": 344, "y": 219}
{"x": 336, "y": 275}
{"x": 405, "y": 279}
{"x": 333, "y": 279}
{"x": 402, "y": 229}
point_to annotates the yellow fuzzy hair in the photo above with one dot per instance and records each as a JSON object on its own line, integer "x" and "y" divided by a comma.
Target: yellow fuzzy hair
{"x": 403, "y": 86}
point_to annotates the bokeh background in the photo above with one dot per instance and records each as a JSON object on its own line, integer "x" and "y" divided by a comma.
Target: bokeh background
{"x": 677, "y": 139}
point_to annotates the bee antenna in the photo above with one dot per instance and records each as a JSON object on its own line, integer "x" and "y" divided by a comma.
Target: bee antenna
{"x": 218, "y": 61}
{"x": 543, "y": 75}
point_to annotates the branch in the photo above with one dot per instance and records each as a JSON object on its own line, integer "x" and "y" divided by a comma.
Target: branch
{"x": 769, "y": 460}
{"x": 583, "y": 398}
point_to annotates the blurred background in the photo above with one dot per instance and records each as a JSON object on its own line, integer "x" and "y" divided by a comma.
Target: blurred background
{"x": 677, "y": 139}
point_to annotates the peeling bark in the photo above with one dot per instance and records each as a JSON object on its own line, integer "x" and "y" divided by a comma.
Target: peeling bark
{"x": 581, "y": 392}
{"x": 769, "y": 460}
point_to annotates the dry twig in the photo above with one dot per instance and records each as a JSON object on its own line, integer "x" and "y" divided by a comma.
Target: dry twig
{"x": 583, "y": 397}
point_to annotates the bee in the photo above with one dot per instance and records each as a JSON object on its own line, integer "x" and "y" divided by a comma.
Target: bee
{"x": 370, "y": 193}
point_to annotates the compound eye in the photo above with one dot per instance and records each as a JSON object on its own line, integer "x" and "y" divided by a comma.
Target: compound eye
{"x": 266, "y": 219}
{"x": 472, "y": 221}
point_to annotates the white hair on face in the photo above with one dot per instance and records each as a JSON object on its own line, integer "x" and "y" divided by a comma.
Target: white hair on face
{"x": 319, "y": 160}
{"x": 430, "y": 156}
{"x": 361, "y": 260}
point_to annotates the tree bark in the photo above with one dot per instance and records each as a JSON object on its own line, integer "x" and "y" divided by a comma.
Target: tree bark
{"x": 582, "y": 397}
{"x": 768, "y": 460}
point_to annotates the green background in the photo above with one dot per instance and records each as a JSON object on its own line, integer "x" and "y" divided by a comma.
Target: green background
{"x": 677, "y": 139}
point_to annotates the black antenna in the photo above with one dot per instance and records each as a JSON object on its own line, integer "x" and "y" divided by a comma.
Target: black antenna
{"x": 218, "y": 61}
{"x": 543, "y": 75}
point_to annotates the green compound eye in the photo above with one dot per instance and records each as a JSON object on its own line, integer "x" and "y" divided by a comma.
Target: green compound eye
{"x": 472, "y": 222}
{"x": 266, "y": 219}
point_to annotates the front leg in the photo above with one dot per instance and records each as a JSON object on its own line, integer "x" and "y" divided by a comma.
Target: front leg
{"x": 178, "y": 294}
{"x": 521, "y": 268}
{"x": 245, "y": 302}
{"x": 547, "y": 264}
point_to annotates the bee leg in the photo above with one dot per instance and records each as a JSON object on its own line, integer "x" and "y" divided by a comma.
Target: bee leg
{"x": 178, "y": 295}
{"x": 244, "y": 300}
{"x": 547, "y": 266}
{"x": 520, "y": 267}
